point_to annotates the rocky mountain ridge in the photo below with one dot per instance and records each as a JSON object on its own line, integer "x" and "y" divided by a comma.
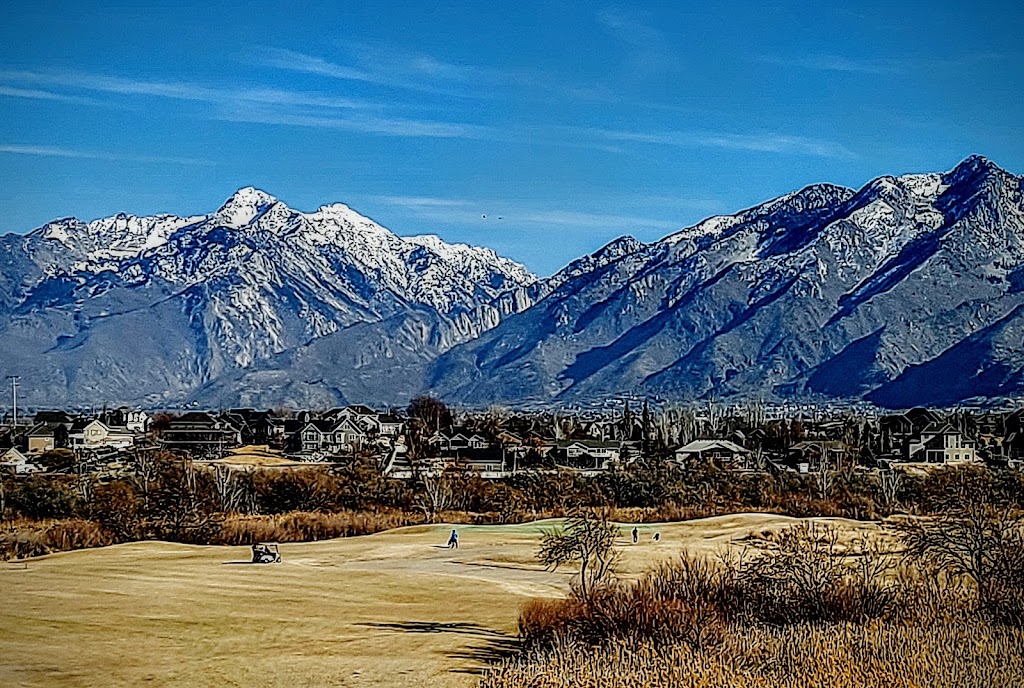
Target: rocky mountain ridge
{"x": 205, "y": 296}
{"x": 906, "y": 291}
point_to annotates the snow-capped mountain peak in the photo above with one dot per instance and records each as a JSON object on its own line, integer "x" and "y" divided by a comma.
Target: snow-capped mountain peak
{"x": 827, "y": 292}
{"x": 908, "y": 290}
{"x": 244, "y": 206}
{"x": 70, "y": 245}
{"x": 248, "y": 282}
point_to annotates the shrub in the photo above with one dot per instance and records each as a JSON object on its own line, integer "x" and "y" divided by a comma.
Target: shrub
{"x": 962, "y": 652}
{"x": 802, "y": 578}
{"x": 634, "y": 612}
{"x": 303, "y": 526}
{"x": 21, "y": 539}
{"x": 979, "y": 542}
{"x": 42, "y": 496}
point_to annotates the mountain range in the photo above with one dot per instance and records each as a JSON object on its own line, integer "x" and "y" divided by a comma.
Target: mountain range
{"x": 908, "y": 291}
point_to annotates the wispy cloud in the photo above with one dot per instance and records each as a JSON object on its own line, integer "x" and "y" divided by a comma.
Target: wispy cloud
{"x": 889, "y": 65}
{"x": 295, "y": 61}
{"x": 765, "y": 142}
{"x": 261, "y": 105}
{"x": 462, "y": 211}
{"x": 178, "y": 90}
{"x": 381, "y": 125}
{"x": 38, "y": 94}
{"x": 57, "y": 152}
{"x": 578, "y": 219}
{"x": 838, "y": 63}
{"x": 649, "y": 50}
{"x": 394, "y": 67}
{"x": 422, "y": 202}
{"x": 389, "y": 67}
{"x": 312, "y": 109}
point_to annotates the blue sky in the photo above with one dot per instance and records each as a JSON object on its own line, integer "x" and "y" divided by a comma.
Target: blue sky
{"x": 574, "y": 123}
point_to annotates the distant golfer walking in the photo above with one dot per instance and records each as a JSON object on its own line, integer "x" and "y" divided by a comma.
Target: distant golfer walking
{"x": 453, "y": 541}
{"x": 636, "y": 535}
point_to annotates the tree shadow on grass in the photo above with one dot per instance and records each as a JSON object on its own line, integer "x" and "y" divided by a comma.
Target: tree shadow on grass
{"x": 491, "y": 647}
{"x": 487, "y": 652}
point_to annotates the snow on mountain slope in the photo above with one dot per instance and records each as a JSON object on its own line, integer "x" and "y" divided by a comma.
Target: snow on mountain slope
{"x": 906, "y": 291}
{"x": 70, "y": 245}
{"x": 825, "y": 292}
{"x": 237, "y": 287}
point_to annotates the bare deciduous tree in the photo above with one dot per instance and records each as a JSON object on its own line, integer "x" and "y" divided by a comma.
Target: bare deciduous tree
{"x": 889, "y": 483}
{"x": 436, "y": 493}
{"x": 981, "y": 542}
{"x": 231, "y": 492}
{"x": 586, "y": 539}
{"x": 146, "y": 470}
{"x": 825, "y": 477}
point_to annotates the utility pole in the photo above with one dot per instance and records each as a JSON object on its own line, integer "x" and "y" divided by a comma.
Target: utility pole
{"x": 14, "y": 398}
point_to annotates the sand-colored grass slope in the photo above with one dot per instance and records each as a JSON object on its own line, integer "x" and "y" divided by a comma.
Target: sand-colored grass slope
{"x": 258, "y": 456}
{"x": 391, "y": 609}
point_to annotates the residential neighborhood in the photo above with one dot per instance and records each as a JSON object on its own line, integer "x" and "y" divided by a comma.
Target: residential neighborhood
{"x": 499, "y": 444}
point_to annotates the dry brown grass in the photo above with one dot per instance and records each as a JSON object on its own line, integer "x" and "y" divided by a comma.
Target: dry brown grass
{"x": 23, "y": 538}
{"x": 804, "y": 608}
{"x": 306, "y": 526}
{"x": 259, "y": 456}
{"x": 961, "y": 652}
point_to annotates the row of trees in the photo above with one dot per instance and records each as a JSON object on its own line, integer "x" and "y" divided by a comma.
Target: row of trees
{"x": 173, "y": 497}
{"x": 658, "y": 431}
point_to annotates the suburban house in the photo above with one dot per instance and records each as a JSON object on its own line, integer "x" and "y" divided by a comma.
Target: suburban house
{"x": 136, "y": 420}
{"x": 449, "y": 443}
{"x": 1013, "y": 448}
{"x": 53, "y": 417}
{"x": 488, "y": 462}
{"x": 325, "y": 435}
{"x": 897, "y": 429}
{"x": 390, "y": 425}
{"x": 939, "y": 443}
{"x": 200, "y": 432}
{"x": 317, "y": 436}
{"x": 371, "y": 422}
{"x": 722, "y": 453}
{"x": 14, "y": 461}
{"x": 811, "y": 456}
{"x": 587, "y": 453}
{"x": 356, "y": 412}
{"x": 359, "y": 410}
{"x": 256, "y": 427}
{"x": 348, "y": 433}
{"x": 46, "y": 437}
{"x": 94, "y": 434}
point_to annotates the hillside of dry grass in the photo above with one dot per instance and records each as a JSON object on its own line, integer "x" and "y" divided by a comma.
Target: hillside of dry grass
{"x": 925, "y": 603}
{"x": 391, "y": 609}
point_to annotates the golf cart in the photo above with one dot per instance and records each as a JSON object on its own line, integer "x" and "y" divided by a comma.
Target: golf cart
{"x": 266, "y": 553}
